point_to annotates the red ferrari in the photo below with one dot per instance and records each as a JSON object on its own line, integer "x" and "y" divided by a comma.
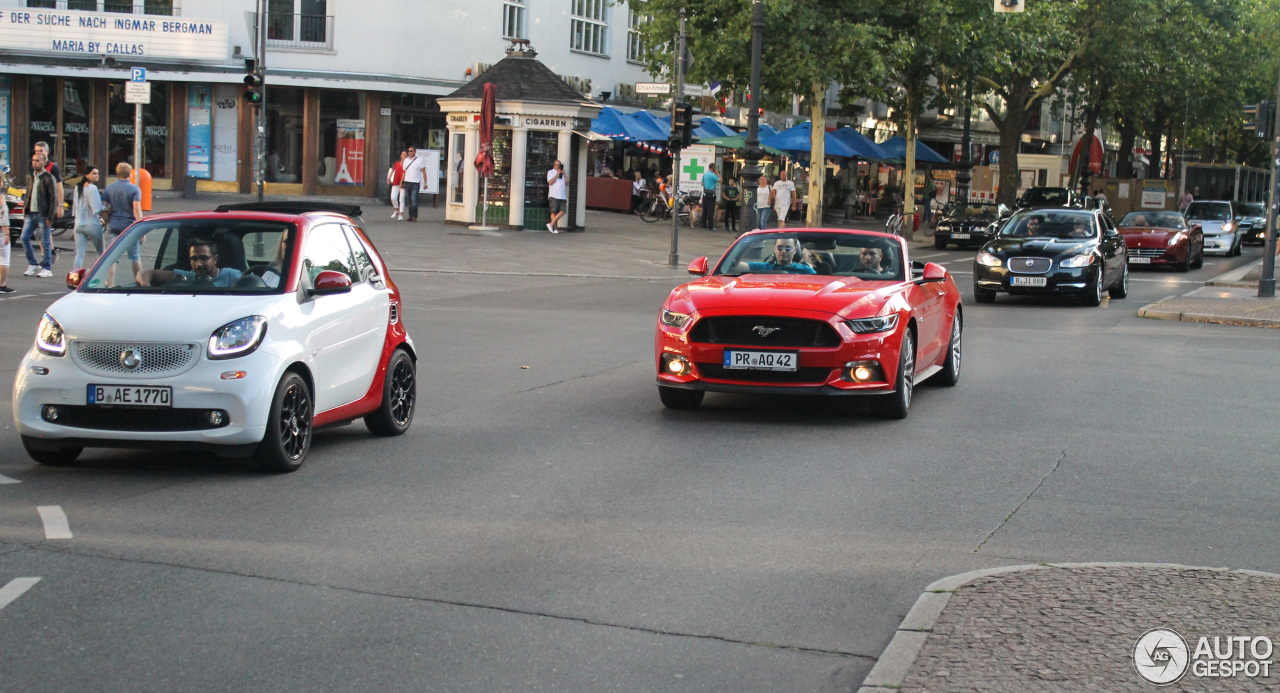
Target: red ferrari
{"x": 1162, "y": 239}
{"x": 810, "y": 312}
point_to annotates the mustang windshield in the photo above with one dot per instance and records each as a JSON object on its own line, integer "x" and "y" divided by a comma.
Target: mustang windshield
{"x": 1162, "y": 220}
{"x": 864, "y": 256}
{"x": 196, "y": 256}
{"x": 1050, "y": 224}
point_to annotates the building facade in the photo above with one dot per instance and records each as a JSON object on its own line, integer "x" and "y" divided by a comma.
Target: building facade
{"x": 349, "y": 84}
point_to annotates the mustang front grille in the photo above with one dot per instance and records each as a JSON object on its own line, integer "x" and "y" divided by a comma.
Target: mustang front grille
{"x": 764, "y": 331}
{"x": 717, "y": 371}
{"x": 113, "y": 359}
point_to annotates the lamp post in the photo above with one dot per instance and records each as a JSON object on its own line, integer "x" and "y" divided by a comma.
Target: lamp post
{"x": 751, "y": 172}
{"x": 964, "y": 175}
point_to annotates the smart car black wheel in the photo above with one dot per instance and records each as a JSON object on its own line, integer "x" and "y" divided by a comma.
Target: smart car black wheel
{"x": 399, "y": 395}
{"x": 52, "y": 457}
{"x": 676, "y": 398}
{"x": 288, "y": 437}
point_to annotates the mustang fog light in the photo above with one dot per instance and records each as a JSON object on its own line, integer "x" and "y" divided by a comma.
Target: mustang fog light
{"x": 862, "y": 372}
{"x": 49, "y": 413}
{"x": 675, "y": 364}
{"x": 216, "y": 417}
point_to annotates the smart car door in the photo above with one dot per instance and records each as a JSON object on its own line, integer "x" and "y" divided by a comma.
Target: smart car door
{"x": 372, "y": 307}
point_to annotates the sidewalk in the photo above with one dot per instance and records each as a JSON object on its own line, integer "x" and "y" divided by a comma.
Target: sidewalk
{"x": 1076, "y": 627}
{"x": 1228, "y": 299}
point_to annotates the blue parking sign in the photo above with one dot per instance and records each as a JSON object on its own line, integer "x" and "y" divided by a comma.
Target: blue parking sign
{"x": 138, "y": 74}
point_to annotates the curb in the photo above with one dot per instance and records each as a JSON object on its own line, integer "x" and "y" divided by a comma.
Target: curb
{"x": 1157, "y": 311}
{"x": 1235, "y": 277}
{"x": 895, "y": 662}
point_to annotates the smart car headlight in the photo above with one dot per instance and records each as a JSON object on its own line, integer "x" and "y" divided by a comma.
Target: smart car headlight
{"x": 883, "y": 323}
{"x": 237, "y": 338}
{"x": 1226, "y": 228}
{"x": 671, "y": 319}
{"x": 50, "y": 338}
{"x": 1078, "y": 261}
{"x": 986, "y": 259}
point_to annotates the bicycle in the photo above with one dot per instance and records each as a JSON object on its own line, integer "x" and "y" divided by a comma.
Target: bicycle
{"x": 660, "y": 206}
{"x": 894, "y": 224}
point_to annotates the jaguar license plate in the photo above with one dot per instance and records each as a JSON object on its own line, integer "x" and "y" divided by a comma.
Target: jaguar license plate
{"x": 759, "y": 360}
{"x": 959, "y": 236}
{"x": 130, "y": 396}
{"x": 1139, "y": 260}
{"x": 1028, "y": 281}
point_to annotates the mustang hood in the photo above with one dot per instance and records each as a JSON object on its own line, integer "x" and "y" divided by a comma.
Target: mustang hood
{"x": 768, "y": 293}
{"x": 152, "y": 317}
{"x": 1040, "y": 247}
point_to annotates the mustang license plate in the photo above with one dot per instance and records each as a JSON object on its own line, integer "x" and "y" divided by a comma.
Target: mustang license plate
{"x": 1139, "y": 260}
{"x": 1028, "y": 281}
{"x": 760, "y": 360}
{"x": 960, "y": 235}
{"x": 131, "y": 395}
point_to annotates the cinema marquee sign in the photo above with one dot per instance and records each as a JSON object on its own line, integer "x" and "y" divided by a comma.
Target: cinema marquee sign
{"x": 70, "y": 32}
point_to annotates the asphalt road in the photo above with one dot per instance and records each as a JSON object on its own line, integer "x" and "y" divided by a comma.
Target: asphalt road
{"x": 547, "y": 526}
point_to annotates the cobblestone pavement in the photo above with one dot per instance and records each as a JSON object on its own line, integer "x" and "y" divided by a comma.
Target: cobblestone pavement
{"x": 1074, "y": 629}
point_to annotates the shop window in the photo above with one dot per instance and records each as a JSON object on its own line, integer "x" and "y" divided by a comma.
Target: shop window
{"x": 76, "y": 101}
{"x": 541, "y": 149}
{"x": 513, "y": 19}
{"x": 299, "y": 24}
{"x": 155, "y": 129}
{"x": 43, "y": 115}
{"x": 284, "y": 135}
{"x": 342, "y": 122}
{"x": 589, "y": 27}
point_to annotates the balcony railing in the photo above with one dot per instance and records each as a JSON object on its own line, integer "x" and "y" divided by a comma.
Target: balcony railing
{"x": 300, "y": 31}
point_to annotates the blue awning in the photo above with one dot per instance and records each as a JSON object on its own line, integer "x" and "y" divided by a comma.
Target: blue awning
{"x": 797, "y": 140}
{"x": 896, "y": 147}
{"x": 619, "y": 126}
{"x": 861, "y": 144}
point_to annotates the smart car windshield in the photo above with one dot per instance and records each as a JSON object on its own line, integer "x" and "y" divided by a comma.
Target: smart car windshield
{"x": 970, "y": 211}
{"x": 1209, "y": 211}
{"x": 1163, "y": 220}
{"x": 865, "y": 256}
{"x": 1051, "y": 224}
{"x": 196, "y": 256}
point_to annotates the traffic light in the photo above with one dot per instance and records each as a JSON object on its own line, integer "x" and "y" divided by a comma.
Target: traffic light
{"x": 682, "y": 126}
{"x": 1258, "y": 118}
{"x": 252, "y": 83}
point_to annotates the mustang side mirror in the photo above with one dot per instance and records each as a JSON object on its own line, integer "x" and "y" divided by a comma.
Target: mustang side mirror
{"x": 933, "y": 272}
{"x": 74, "y": 277}
{"x": 330, "y": 282}
{"x": 698, "y": 267}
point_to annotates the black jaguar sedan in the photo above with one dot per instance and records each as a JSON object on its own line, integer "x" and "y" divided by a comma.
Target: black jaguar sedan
{"x": 969, "y": 224}
{"x": 1051, "y": 252}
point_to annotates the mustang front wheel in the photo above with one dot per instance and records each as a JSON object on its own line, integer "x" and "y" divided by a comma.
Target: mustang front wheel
{"x": 950, "y": 374}
{"x": 896, "y": 404}
{"x": 676, "y": 398}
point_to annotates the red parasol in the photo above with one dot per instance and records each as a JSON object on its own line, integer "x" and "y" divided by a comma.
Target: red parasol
{"x": 484, "y": 160}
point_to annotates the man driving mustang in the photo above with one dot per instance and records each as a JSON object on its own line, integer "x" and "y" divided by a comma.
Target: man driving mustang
{"x": 785, "y": 259}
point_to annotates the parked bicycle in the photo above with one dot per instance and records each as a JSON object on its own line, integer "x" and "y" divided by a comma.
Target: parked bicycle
{"x": 688, "y": 208}
{"x": 894, "y": 225}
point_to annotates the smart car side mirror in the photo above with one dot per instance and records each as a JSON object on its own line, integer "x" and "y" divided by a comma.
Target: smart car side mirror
{"x": 74, "y": 277}
{"x": 330, "y": 282}
{"x": 933, "y": 272}
{"x": 698, "y": 267}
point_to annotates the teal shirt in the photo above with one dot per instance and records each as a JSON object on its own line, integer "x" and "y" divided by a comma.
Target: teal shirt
{"x": 709, "y": 181}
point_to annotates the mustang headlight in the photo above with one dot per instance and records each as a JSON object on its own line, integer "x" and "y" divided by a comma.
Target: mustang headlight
{"x": 986, "y": 259}
{"x": 884, "y": 323}
{"x": 1078, "y": 261}
{"x": 237, "y": 338}
{"x": 671, "y": 319}
{"x": 49, "y": 337}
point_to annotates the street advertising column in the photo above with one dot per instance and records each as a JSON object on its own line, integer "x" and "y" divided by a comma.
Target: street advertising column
{"x": 226, "y": 132}
{"x": 200, "y": 130}
{"x": 350, "y": 152}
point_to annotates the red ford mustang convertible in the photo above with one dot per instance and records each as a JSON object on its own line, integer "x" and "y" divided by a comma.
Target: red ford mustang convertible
{"x": 812, "y": 312}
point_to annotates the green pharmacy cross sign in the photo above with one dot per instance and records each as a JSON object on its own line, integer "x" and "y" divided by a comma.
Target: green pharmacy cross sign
{"x": 694, "y": 169}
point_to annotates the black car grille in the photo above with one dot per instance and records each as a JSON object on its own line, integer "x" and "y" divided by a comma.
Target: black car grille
{"x": 790, "y": 332}
{"x": 717, "y": 371}
{"x": 135, "y": 418}
{"x": 1029, "y": 265}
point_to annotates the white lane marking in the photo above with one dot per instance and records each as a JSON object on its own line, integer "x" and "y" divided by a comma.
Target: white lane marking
{"x": 55, "y": 522}
{"x": 15, "y": 589}
{"x": 6, "y": 480}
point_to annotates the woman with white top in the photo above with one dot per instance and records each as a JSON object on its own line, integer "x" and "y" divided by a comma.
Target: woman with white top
{"x": 87, "y": 202}
{"x": 764, "y": 203}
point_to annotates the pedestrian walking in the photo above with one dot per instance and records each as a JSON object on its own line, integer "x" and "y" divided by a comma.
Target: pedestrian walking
{"x": 125, "y": 199}
{"x": 557, "y": 200}
{"x": 40, "y": 209}
{"x": 4, "y": 244}
{"x": 87, "y": 210}
{"x": 710, "y": 181}
{"x": 784, "y": 198}
{"x": 414, "y": 170}
{"x": 731, "y": 193}
{"x": 764, "y": 203}
{"x": 395, "y": 178}
{"x": 1187, "y": 199}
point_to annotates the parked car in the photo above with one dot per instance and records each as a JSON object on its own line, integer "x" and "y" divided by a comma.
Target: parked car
{"x": 859, "y": 319}
{"x": 1253, "y": 222}
{"x": 1220, "y": 223}
{"x": 1039, "y": 198}
{"x": 248, "y": 328}
{"x": 1160, "y": 238}
{"x": 1054, "y": 252}
{"x": 969, "y": 224}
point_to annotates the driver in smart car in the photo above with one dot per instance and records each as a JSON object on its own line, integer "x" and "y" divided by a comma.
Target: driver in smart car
{"x": 785, "y": 253}
{"x": 204, "y": 269}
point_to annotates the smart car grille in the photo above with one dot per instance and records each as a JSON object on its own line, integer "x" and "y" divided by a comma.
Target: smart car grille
{"x": 1029, "y": 265}
{"x": 154, "y": 360}
{"x": 764, "y": 331}
{"x": 1146, "y": 252}
{"x": 717, "y": 371}
{"x": 136, "y": 418}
